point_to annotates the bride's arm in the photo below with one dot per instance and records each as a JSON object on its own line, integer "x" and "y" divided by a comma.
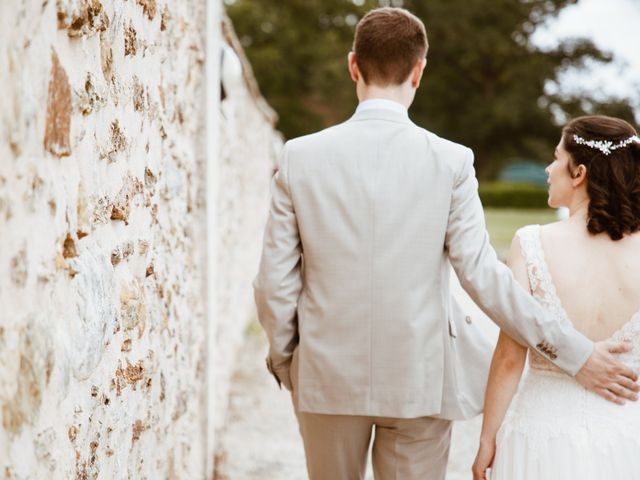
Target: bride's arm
{"x": 504, "y": 375}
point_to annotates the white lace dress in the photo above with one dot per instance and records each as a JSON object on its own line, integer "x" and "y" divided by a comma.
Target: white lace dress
{"x": 555, "y": 429}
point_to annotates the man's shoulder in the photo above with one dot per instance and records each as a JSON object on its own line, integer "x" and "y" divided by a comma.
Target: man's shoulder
{"x": 340, "y": 128}
{"x": 444, "y": 146}
{"x": 311, "y": 140}
{"x": 455, "y": 155}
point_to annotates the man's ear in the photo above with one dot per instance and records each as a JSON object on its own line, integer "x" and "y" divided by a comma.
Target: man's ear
{"x": 353, "y": 67}
{"x": 416, "y": 73}
{"x": 579, "y": 175}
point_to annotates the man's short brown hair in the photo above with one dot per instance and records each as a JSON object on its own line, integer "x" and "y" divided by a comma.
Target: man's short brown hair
{"x": 387, "y": 45}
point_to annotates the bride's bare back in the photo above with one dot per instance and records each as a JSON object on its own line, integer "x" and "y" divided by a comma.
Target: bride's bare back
{"x": 597, "y": 279}
{"x": 555, "y": 428}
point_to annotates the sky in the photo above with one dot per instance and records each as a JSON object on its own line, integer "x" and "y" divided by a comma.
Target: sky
{"x": 613, "y": 25}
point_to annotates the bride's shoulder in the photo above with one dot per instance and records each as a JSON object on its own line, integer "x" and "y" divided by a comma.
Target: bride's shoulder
{"x": 522, "y": 243}
{"x": 527, "y": 232}
{"x": 554, "y": 227}
{"x": 529, "y": 237}
{"x": 552, "y": 232}
{"x": 536, "y": 229}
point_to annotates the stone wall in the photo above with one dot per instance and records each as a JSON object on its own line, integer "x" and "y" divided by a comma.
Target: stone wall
{"x": 107, "y": 338}
{"x": 246, "y": 165}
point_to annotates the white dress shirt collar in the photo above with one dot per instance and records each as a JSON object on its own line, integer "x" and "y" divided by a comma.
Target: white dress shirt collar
{"x": 382, "y": 103}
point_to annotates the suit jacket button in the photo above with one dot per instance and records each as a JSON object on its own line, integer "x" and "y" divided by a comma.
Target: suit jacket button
{"x": 467, "y": 319}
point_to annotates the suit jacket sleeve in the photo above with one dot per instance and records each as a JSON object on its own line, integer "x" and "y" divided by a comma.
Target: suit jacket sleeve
{"x": 279, "y": 282}
{"x": 492, "y": 286}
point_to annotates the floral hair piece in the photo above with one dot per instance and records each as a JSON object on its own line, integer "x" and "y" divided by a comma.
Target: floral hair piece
{"x": 605, "y": 146}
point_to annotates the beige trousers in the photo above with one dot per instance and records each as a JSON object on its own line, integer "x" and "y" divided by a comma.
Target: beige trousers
{"x": 336, "y": 446}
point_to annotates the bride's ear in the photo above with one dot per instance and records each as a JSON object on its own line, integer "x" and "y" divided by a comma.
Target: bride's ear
{"x": 579, "y": 175}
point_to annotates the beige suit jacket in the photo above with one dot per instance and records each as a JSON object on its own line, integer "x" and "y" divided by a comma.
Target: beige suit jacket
{"x": 365, "y": 219}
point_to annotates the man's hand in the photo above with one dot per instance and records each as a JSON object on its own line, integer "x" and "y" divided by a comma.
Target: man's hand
{"x": 604, "y": 375}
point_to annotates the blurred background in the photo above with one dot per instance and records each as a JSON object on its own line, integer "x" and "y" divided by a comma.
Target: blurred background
{"x": 502, "y": 74}
{"x": 502, "y": 77}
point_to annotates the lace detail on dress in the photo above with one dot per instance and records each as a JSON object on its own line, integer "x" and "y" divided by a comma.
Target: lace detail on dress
{"x": 548, "y": 405}
{"x": 542, "y": 286}
{"x": 556, "y": 429}
{"x": 544, "y": 290}
{"x": 630, "y": 332}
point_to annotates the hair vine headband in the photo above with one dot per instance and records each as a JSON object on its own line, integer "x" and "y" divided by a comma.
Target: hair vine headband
{"x": 605, "y": 146}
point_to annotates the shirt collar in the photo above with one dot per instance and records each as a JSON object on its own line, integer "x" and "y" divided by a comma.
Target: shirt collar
{"x": 382, "y": 103}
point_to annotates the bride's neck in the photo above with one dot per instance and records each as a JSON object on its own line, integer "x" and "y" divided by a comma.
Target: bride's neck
{"x": 579, "y": 209}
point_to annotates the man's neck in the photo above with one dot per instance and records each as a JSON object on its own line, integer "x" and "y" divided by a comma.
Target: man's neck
{"x": 397, "y": 94}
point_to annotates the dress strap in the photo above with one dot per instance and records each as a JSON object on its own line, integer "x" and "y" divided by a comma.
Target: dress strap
{"x": 540, "y": 280}
{"x": 531, "y": 249}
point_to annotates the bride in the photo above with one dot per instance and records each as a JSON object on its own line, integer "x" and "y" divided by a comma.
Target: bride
{"x": 584, "y": 270}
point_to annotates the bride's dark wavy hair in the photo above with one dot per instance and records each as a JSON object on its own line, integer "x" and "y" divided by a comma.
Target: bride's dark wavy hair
{"x": 613, "y": 181}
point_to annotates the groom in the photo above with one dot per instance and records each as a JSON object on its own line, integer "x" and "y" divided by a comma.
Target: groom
{"x": 365, "y": 220}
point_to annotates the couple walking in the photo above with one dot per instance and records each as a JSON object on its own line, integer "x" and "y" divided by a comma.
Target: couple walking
{"x": 366, "y": 220}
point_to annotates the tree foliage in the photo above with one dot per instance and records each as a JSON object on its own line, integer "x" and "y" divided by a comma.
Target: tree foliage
{"x": 485, "y": 80}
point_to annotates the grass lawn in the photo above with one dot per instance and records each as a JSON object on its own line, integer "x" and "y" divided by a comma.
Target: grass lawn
{"x": 502, "y": 224}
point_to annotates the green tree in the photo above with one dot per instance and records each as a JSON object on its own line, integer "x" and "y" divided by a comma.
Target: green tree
{"x": 484, "y": 85}
{"x": 298, "y": 51}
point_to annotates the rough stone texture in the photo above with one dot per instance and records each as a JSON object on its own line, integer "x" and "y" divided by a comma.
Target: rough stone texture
{"x": 57, "y": 123}
{"x": 103, "y": 326}
{"x": 245, "y": 179}
{"x": 81, "y": 17}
